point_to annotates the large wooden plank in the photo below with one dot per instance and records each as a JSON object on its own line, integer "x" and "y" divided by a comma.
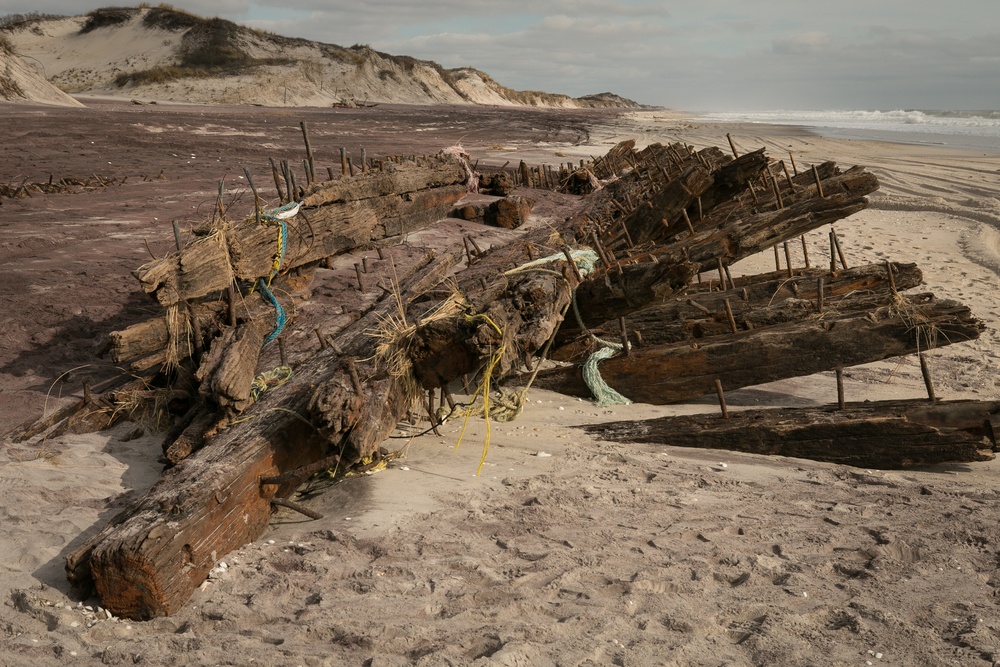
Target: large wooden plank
{"x": 676, "y": 372}
{"x": 338, "y": 216}
{"x": 882, "y": 435}
{"x": 755, "y": 303}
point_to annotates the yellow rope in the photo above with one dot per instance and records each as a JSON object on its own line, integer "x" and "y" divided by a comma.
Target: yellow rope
{"x": 484, "y": 389}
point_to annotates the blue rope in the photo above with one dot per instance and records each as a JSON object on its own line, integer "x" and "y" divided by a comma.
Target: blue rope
{"x": 279, "y": 312}
{"x": 275, "y": 215}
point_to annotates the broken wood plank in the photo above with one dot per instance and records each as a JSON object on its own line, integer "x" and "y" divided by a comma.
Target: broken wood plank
{"x": 888, "y": 435}
{"x": 756, "y": 301}
{"x": 652, "y": 278}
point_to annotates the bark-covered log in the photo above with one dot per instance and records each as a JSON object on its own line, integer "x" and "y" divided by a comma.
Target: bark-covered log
{"x": 681, "y": 371}
{"x": 882, "y": 435}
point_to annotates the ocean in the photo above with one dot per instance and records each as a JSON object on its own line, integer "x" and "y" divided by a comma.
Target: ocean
{"x": 977, "y": 130}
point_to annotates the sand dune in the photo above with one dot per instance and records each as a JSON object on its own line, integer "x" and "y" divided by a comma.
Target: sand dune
{"x": 163, "y": 54}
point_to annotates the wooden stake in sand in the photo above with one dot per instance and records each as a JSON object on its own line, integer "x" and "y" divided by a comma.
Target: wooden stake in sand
{"x": 925, "y": 370}
{"x": 840, "y": 388}
{"x": 722, "y": 399}
{"x": 310, "y": 166}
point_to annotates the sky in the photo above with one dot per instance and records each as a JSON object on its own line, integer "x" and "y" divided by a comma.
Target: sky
{"x": 698, "y": 55}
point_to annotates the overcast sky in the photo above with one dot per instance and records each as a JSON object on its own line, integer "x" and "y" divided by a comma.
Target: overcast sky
{"x": 699, "y": 55}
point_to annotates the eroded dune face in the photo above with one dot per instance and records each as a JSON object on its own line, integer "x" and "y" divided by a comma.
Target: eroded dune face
{"x": 20, "y": 82}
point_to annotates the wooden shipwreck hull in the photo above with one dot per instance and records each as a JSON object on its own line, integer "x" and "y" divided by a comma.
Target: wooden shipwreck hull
{"x": 655, "y": 220}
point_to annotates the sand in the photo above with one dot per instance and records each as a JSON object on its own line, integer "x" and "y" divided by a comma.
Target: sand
{"x": 566, "y": 550}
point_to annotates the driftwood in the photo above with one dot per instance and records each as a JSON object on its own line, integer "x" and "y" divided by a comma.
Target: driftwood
{"x": 680, "y": 371}
{"x": 881, "y": 435}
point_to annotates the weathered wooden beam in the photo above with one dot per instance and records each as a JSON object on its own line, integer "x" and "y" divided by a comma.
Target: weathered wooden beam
{"x": 662, "y": 273}
{"x": 338, "y": 216}
{"x": 681, "y": 371}
{"x": 756, "y": 301}
{"x": 882, "y": 435}
{"x": 150, "y": 558}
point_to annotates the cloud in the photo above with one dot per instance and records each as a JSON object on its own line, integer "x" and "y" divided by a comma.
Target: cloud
{"x": 711, "y": 54}
{"x": 807, "y": 42}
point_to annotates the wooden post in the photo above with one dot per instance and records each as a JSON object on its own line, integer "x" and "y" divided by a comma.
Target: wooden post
{"x": 256, "y": 197}
{"x": 687, "y": 219}
{"x": 624, "y": 337}
{"x": 925, "y": 370}
{"x": 836, "y": 243}
{"x": 310, "y": 166}
{"x": 732, "y": 145}
{"x": 840, "y": 388}
{"x": 729, "y": 316}
{"x": 177, "y": 235}
{"x": 281, "y": 351}
{"x": 319, "y": 337}
{"x": 277, "y": 179}
{"x": 722, "y": 399}
{"x": 722, "y": 273}
{"x": 430, "y": 412}
{"x": 791, "y": 185}
{"x": 698, "y": 306}
{"x": 572, "y": 264}
{"x": 819, "y": 184}
{"x": 833, "y": 252}
{"x": 352, "y": 370}
{"x": 819, "y": 294}
{"x": 777, "y": 258}
{"x": 361, "y": 283}
{"x": 805, "y": 251}
{"x": 218, "y": 202}
{"x": 479, "y": 251}
{"x": 364, "y": 161}
{"x": 343, "y": 161}
{"x": 788, "y": 259}
{"x": 795, "y": 170}
{"x": 892, "y": 279}
{"x": 600, "y": 249}
{"x": 288, "y": 180}
{"x": 627, "y": 236}
{"x": 777, "y": 192}
{"x": 468, "y": 249}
